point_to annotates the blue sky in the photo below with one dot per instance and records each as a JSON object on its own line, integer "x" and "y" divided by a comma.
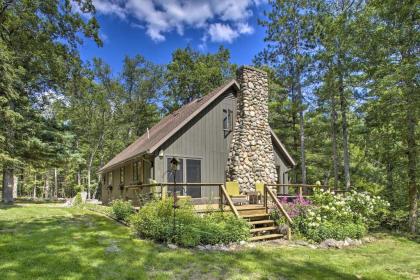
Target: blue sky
{"x": 155, "y": 28}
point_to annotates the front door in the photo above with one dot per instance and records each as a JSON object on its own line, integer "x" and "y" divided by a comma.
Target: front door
{"x": 193, "y": 175}
{"x": 189, "y": 171}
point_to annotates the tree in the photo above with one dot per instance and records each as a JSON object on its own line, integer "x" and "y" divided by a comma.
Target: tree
{"x": 392, "y": 80}
{"x": 50, "y": 30}
{"x": 291, "y": 42}
{"x": 191, "y": 75}
{"x": 143, "y": 83}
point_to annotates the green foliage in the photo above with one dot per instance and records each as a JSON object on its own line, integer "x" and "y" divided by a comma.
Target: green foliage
{"x": 191, "y": 75}
{"x": 121, "y": 209}
{"x": 80, "y": 239}
{"x": 338, "y": 231}
{"x": 155, "y": 221}
{"x": 338, "y": 216}
{"x": 78, "y": 201}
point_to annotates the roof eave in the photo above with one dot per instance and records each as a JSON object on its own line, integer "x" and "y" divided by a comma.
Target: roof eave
{"x": 233, "y": 82}
{"x": 102, "y": 170}
{"x": 283, "y": 148}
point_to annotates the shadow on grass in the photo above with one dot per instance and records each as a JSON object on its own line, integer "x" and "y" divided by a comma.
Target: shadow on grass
{"x": 89, "y": 246}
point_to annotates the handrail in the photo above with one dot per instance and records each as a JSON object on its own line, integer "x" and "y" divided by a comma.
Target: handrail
{"x": 278, "y": 204}
{"x": 174, "y": 184}
{"x": 229, "y": 200}
{"x": 289, "y": 221}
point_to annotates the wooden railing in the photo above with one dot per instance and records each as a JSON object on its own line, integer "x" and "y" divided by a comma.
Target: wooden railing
{"x": 279, "y": 206}
{"x": 222, "y": 192}
{"x": 300, "y": 188}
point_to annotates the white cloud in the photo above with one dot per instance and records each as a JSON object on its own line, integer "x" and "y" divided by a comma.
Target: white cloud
{"x": 223, "y": 20}
{"x": 245, "y": 28}
{"x": 222, "y": 33}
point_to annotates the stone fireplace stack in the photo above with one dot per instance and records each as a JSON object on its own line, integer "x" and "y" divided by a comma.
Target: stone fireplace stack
{"x": 251, "y": 156}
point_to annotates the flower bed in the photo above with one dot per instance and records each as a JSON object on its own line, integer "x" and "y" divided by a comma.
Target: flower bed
{"x": 328, "y": 215}
{"x": 156, "y": 221}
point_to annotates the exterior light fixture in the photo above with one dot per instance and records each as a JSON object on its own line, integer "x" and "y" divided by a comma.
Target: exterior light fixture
{"x": 173, "y": 168}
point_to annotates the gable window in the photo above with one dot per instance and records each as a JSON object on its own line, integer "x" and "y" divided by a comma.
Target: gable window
{"x": 122, "y": 174}
{"x": 227, "y": 120}
{"x": 137, "y": 171}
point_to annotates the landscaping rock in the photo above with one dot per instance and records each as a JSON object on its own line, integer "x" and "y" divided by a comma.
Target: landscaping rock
{"x": 368, "y": 239}
{"x": 302, "y": 243}
{"x": 172, "y": 246}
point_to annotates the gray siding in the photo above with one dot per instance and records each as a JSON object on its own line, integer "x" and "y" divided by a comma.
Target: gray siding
{"x": 203, "y": 139}
{"x": 116, "y": 192}
{"x": 284, "y": 169}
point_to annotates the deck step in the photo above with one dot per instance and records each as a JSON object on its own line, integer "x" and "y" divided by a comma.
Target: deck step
{"x": 262, "y": 215}
{"x": 266, "y": 237}
{"x": 255, "y": 230}
{"x": 261, "y": 222}
{"x": 249, "y": 207}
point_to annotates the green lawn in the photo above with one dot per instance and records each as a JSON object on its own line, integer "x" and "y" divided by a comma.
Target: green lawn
{"x": 49, "y": 242}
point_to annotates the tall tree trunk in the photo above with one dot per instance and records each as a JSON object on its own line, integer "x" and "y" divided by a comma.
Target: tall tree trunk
{"x": 89, "y": 169}
{"x": 46, "y": 186}
{"x": 34, "y": 189}
{"x": 79, "y": 178}
{"x": 15, "y": 186}
{"x": 334, "y": 139}
{"x": 390, "y": 181}
{"x": 343, "y": 108}
{"x": 412, "y": 168}
{"x": 301, "y": 127}
{"x": 294, "y": 131}
{"x": 55, "y": 183}
{"x": 7, "y": 194}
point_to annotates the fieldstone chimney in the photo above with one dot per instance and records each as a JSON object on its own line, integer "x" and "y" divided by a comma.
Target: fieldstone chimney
{"x": 251, "y": 156}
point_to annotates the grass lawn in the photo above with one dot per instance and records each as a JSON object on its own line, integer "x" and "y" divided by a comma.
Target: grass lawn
{"x": 49, "y": 242}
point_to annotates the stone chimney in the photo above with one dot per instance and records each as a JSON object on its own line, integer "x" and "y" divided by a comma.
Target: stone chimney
{"x": 251, "y": 156}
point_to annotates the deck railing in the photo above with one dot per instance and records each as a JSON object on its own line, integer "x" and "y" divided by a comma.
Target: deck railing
{"x": 163, "y": 192}
{"x": 268, "y": 192}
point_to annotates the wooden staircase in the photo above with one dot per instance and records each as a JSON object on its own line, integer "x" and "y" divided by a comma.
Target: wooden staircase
{"x": 262, "y": 226}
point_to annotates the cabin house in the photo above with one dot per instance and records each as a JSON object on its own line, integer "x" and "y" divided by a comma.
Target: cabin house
{"x": 219, "y": 137}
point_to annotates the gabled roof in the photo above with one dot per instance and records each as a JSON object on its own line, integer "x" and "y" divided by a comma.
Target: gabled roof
{"x": 149, "y": 142}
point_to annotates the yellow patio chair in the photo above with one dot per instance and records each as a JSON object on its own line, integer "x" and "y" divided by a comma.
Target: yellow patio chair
{"x": 232, "y": 188}
{"x": 259, "y": 188}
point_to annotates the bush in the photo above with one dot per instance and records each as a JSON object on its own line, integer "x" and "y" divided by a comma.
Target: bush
{"x": 397, "y": 220}
{"x": 328, "y": 230}
{"x": 121, "y": 209}
{"x": 337, "y": 216}
{"x": 78, "y": 201}
{"x": 155, "y": 221}
{"x": 371, "y": 210}
{"x": 223, "y": 228}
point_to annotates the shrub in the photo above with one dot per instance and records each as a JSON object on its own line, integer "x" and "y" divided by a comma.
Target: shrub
{"x": 155, "y": 221}
{"x": 223, "y": 228}
{"x": 78, "y": 201}
{"x": 336, "y": 231}
{"x": 397, "y": 220}
{"x": 121, "y": 209}
{"x": 372, "y": 210}
{"x": 337, "y": 216}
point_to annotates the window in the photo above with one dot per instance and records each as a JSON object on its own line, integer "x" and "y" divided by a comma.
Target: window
{"x": 136, "y": 171}
{"x": 122, "y": 174}
{"x": 110, "y": 178}
{"x": 193, "y": 176}
{"x": 227, "y": 120}
{"x": 189, "y": 171}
